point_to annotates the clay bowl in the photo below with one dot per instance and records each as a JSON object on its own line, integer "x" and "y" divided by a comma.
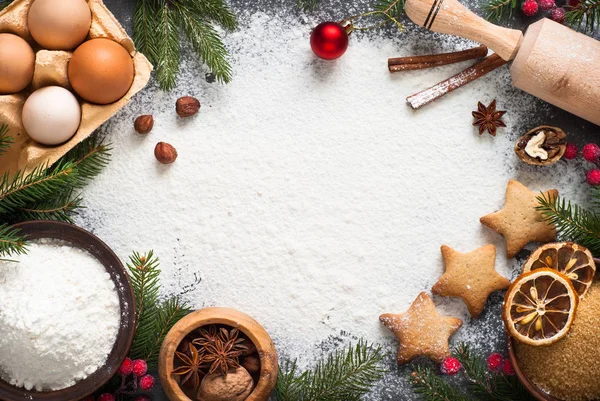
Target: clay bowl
{"x": 222, "y": 316}
{"x": 81, "y": 238}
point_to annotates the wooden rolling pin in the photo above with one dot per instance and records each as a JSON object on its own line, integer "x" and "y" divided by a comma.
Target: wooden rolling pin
{"x": 551, "y": 61}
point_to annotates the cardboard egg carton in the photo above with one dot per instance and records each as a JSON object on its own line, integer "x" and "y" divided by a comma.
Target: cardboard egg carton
{"x": 51, "y": 69}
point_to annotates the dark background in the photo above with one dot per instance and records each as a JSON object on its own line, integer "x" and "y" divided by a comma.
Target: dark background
{"x": 486, "y": 332}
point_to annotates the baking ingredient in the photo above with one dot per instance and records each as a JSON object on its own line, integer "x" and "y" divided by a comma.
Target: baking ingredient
{"x": 495, "y": 361}
{"x": 593, "y": 177}
{"x": 235, "y": 386}
{"x": 251, "y": 364}
{"x": 571, "y": 152}
{"x": 546, "y": 5}
{"x": 165, "y": 153}
{"x": 144, "y": 124}
{"x": 221, "y": 351}
{"x": 569, "y": 369}
{"x": 534, "y": 146}
{"x": 59, "y": 24}
{"x": 542, "y": 146}
{"x": 591, "y": 152}
{"x": 558, "y": 14}
{"x": 51, "y": 115}
{"x": 17, "y": 62}
{"x": 329, "y": 40}
{"x": 530, "y": 8}
{"x": 488, "y": 118}
{"x": 187, "y": 106}
{"x": 101, "y": 71}
{"x": 146, "y": 382}
{"x": 59, "y": 316}
{"x": 450, "y": 366}
{"x": 539, "y": 307}
{"x": 568, "y": 258}
{"x": 190, "y": 366}
{"x": 139, "y": 368}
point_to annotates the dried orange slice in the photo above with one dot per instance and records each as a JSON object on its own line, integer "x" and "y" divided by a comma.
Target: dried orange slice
{"x": 539, "y": 307}
{"x": 568, "y": 258}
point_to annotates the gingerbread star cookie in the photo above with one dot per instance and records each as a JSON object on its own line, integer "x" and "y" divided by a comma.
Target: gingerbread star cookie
{"x": 519, "y": 221}
{"x": 470, "y": 276}
{"x": 421, "y": 330}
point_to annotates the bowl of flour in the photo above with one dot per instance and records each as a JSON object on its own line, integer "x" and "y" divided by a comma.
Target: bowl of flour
{"x": 67, "y": 315}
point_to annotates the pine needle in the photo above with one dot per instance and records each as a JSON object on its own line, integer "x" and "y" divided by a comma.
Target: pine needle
{"x": 572, "y": 222}
{"x": 167, "y": 314}
{"x": 60, "y": 208}
{"x": 5, "y": 140}
{"x": 145, "y": 20}
{"x": 497, "y": 10}
{"x": 394, "y": 8}
{"x": 344, "y": 375}
{"x": 216, "y": 11}
{"x": 11, "y": 242}
{"x": 432, "y": 387}
{"x": 168, "y": 49}
{"x": 585, "y": 16}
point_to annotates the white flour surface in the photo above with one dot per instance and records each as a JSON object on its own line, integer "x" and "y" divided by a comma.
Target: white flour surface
{"x": 307, "y": 193}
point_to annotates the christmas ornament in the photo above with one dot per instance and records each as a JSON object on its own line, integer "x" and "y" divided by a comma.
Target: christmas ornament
{"x": 329, "y": 40}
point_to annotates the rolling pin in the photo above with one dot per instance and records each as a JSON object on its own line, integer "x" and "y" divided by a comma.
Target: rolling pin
{"x": 551, "y": 61}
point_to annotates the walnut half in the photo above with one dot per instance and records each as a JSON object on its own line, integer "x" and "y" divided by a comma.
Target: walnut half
{"x": 542, "y": 146}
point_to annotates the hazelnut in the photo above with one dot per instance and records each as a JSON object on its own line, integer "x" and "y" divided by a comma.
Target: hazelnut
{"x": 251, "y": 363}
{"x": 542, "y": 146}
{"x": 165, "y": 153}
{"x": 250, "y": 347}
{"x": 235, "y": 386}
{"x": 187, "y": 106}
{"x": 143, "y": 124}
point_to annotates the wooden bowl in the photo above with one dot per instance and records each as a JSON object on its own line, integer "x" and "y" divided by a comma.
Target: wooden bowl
{"x": 81, "y": 238}
{"x": 229, "y": 317}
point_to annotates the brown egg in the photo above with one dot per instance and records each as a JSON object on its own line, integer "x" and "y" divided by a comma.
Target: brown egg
{"x": 17, "y": 62}
{"x": 59, "y": 24}
{"x": 101, "y": 71}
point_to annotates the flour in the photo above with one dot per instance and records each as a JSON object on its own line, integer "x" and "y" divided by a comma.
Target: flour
{"x": 59, "y": 317}
{"x": 308, "y": 194}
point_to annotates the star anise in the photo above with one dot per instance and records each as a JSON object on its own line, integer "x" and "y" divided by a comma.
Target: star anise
{"x": 222, "y": 351}
{"x": 487, "y": 118}
{"x": 192, "y": 366}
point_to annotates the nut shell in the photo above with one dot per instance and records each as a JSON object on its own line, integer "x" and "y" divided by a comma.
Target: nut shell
{"x": 187, "y": 106}
{"x": 236, "y": 386}
{"x": 165, "y": 153}
{"x": 558, "y": 148}
{"x": 144, "y": 124}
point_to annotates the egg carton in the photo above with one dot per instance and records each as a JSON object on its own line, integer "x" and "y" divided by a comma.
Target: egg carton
{"x": 51, "y": 69}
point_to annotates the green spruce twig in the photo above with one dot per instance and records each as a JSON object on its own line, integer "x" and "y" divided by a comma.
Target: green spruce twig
{"x": 432, "y": 387}
{"x": 6, "y": 141}
{"x": 11, "y": 241}
{"x": 497, "y": 10}
{"x": 585, "y": 16}
{"x": 573, "y": 222}
{"x": 345, "y": 375}
{"x": 153, "y": 318}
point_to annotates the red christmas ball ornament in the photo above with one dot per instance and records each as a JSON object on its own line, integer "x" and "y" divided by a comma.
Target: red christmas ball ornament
{"x": 450, "y": 366}
{"x": 495, "y": 361}
{"x": 329, "y": 40}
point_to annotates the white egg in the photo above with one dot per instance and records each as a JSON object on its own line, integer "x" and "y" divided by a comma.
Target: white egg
{"x": 51, "y": 115}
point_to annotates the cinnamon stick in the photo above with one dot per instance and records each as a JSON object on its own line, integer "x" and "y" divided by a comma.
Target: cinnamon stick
{"x": 434, "y": 60}
{"x": 477, "y": 70}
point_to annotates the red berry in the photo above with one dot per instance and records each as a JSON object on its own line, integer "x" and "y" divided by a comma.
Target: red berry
{"x": 450, "y": 366}
{"x": 495, "y": 361}
{"x": 571, "y": 151}
{"x": 146, "y": 382}
{"x": 593, "y": 177}
{"x": 573, "y": 3}
{"x": 530, "y": 8}
{"x": 140, "y": 367}
{"x": 126, "y": 367}
{"x": 507, "y": 368}
{"x": 106, "y": 397}
{"x": 547, "y": 4}
{"x": 558, "y": 15}
{"x": 590, "y": 152}
{"x": 142, "y": 398}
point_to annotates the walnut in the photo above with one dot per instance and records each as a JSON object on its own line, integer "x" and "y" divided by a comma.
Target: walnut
{"x": 236, "y": 386}
{"x": 542, "y": 146}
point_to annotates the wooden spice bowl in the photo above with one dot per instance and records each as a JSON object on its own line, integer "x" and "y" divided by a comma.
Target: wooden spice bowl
{"x": 219, "y": 316}
{"x": 83, "y": 239}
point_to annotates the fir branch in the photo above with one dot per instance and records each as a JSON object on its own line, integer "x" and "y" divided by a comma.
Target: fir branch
{"x": 393, "y": 8}
{"x": 168, "y": 51}
{"x": 89, "y": 158}
{"x": 585, "y": 16}
{"x": 488, "y": 385}
{"x": 11, "y": 242}
{"x": 167, "y": 314}
{"x": 145, "y": 20}
{"x": 216, "y": 11}
{"x": 60, "y": 208}
{"x": 433, "y": 388}
{"x": 307, "y": 5}
{"x": 206, "y": 42}
{"x": 500, "y": 9}
{"x": 572, "y": 222}
{"x": 344, "y": 375}
{"x": 5, "y": 140}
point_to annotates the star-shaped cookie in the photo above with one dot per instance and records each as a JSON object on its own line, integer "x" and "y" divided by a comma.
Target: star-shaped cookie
{"x": 421, "y": 330}
{"x": 470, "y": 276}
{"x": 519, "y": 221}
